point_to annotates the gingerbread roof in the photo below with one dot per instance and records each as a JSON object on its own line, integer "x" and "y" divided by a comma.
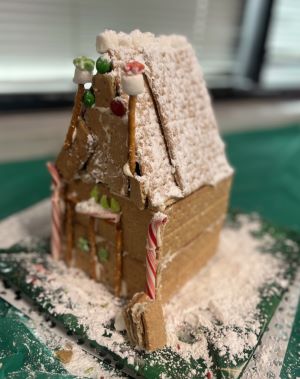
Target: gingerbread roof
{"x": 179, "y": 148}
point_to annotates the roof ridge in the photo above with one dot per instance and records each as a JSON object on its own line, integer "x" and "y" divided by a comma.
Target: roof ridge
{"x": 112, "y": 40}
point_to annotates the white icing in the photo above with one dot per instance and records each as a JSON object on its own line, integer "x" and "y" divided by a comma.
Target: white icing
{"x": 91, "y": 208}
{"x": 133, "y": 84}
{"x": 82, "y": 76}
{"x": 126, "y": 170}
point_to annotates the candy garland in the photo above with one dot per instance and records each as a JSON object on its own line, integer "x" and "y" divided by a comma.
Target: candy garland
{"x": 83, "y": 74}
{"x": 56, "y": 225}
{"x": 133, "y": 85}
{"x": 152, "y": 247}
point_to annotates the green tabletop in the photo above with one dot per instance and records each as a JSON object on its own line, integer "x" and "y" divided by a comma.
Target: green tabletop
{"x": 267, "y": 176}
{"x": 267, "y": 180}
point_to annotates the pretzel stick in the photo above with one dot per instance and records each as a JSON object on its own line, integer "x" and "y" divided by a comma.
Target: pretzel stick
{"x": 131, "y": 132}
{"x": 118, "y": 260}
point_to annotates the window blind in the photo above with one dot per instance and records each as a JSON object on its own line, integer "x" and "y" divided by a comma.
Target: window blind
{"x": 282, "y": 62}
{"x": 39, "y": 38}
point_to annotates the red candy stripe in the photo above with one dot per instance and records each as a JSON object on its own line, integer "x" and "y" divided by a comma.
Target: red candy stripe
{"x": 151, "y": 259}
{"x": 56, "y": 216}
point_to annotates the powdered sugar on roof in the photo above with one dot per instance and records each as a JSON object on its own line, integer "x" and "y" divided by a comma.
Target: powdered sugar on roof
{"x": 111, "y": 40}
{"x": 187, "y": 125}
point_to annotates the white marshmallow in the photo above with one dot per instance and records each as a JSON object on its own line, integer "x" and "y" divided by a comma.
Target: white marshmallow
{"x": 106, "y": 41}
{"x": 133, "y": 84}
{"x": 82, "y": 76}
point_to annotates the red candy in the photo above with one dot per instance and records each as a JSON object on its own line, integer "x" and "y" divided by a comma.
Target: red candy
{"x": 134, "y": 67}
{"x": 118, "y": 107}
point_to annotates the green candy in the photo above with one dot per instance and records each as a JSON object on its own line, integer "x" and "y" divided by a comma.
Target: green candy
{"x": 83, "y": 244}
{"x": 84, "y": 63}
{"x": 103, "y": 255}
{"x": 114, "y": 205}
{"x": 104, "y": 202}
{"x": 88, "y": 98}
{"x": 89, "y": 65}
{"x": 95, "y": 194}
{"x": 103, "y": 65}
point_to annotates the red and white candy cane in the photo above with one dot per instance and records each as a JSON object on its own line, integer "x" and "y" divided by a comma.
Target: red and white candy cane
{"x": 153, "y": 243}
{"x": 56, "y": 225}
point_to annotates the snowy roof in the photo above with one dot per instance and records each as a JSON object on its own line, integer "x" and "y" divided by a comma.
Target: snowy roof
{"x": 185, "y": 151}
{"x": 179, "y": 148}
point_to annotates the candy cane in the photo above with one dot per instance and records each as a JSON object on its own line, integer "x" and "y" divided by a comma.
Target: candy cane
{"x": 153, "y": 243}
{"x": 56, "y": 211}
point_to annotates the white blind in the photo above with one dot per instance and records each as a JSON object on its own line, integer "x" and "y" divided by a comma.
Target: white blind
{"x": 39, "y": 38}
{"x": 282, "y": 66}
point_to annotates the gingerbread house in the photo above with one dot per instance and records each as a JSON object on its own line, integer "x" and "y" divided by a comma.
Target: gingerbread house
{"x": 141, "y": 184}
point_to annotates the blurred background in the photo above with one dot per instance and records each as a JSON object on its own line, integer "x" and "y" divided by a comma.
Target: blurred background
{"x": 250, "y": 54}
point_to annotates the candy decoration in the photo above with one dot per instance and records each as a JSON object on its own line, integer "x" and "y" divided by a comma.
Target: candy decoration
{"x": 103, "y": 255}
{"x": 114, "y": 205}
{"x": 103, "y": 64}
{"x": 83, "y": 70}
{"x": 95, "y": 194}
{"x": 56, "y": 225}
{"x": 152, "y": 248}
{"x": 133, "y": 81}
{"x": 104, "y": 202}
{"x": 134, "y": 68}
{"x": 83, "y": 244}
{"x": 83, "y": 74}
{"x": 118, "y": 107}
{"x": 84, "y": 63}
{"x": 133, "y": 85}
{"x": 88, "y": 98}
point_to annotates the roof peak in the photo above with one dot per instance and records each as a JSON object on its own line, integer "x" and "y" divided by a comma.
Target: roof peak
{"x": 112, "y": 40}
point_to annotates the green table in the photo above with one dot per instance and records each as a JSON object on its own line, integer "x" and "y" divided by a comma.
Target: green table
{"x": 267, "y": 180}
{"x": 267, "y": 176}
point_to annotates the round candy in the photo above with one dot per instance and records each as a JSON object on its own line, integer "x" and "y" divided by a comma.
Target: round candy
{"x": 88, "y": 99}
{"x": 118, "y": 107}
{"x": 103, "y": 65}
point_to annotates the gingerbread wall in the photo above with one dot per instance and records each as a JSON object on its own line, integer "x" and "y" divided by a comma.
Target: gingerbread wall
{"x": 188, "y": 240}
